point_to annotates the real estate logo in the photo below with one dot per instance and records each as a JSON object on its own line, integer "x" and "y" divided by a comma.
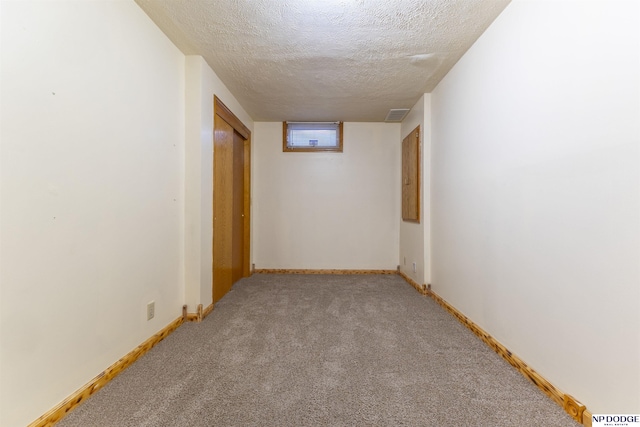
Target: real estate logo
{"x": 615, "y": 420}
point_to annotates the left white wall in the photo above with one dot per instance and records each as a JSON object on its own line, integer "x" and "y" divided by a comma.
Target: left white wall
{"x": 92, "y": 167}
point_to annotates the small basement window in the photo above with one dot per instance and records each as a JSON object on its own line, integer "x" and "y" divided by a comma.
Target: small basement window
{"x": 312, "y": 136}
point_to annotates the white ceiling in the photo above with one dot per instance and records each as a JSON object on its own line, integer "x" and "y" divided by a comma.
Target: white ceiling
{"x": 349, "y": 60}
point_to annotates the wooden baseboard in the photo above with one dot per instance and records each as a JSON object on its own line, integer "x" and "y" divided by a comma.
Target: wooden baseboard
{"x": 58, "y": 412}
{"x": 200, "y": 315}
{"x": 316, "y": 271}
{"x": 574, "y": 408}
{"x": 191, "y": 317}
{"x": 207, "y": 311}
{"x": 422, "y": 289}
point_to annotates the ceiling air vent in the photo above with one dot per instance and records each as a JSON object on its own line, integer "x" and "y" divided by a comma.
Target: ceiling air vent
{"x": 396, "y": 115}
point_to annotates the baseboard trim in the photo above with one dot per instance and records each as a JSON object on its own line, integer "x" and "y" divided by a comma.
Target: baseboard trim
{"x": 207, "y": 311}
{"x": 199, "y": 316}
{"x": 319, "y": 271}
{"x": 574, "y": 408}
{"x": 422, "y": 289}
{"x": 62, "y": 409}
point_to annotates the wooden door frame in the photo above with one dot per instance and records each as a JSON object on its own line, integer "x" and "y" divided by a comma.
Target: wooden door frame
{"x": 225, "y": 114}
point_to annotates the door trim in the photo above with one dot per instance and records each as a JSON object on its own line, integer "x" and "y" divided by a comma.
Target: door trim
{"x": 220, "y": 109}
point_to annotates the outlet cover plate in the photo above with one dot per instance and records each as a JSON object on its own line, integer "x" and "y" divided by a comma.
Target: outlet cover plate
{"x": 151, "y": 310}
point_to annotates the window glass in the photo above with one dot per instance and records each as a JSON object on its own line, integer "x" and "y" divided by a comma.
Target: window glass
{"x": 312, "y": 136}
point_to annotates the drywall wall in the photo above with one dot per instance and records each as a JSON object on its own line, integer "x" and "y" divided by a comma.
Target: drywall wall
{"x": 327, "y": 210}
{"x": 201, "y": 86}
{"x": 414, "y": 237}
{"x": 92, "y": 209}
{"x": 536, "y": 197}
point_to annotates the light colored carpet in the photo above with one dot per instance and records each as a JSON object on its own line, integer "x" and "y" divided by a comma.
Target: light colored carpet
{"x": 321, "y": 350}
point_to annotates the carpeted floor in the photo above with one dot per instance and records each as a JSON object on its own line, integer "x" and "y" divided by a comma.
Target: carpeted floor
{"x": 321, "y": 350}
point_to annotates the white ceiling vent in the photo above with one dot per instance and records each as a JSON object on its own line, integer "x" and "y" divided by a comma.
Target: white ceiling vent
{"x": 396, "y": 115}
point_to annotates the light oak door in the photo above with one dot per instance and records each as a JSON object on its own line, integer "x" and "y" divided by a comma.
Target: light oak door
{"x": 237, "y": 239}
{"x": 231, "y": 200}
{"x": 223, "y": 205}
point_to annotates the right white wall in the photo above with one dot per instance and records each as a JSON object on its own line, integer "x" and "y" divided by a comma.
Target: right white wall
{"x": 536, "y": 193}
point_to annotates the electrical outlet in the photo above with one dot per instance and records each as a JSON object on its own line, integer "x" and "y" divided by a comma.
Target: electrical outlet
{"x": 151, "y": 310}
{"x": 414, "y": 267}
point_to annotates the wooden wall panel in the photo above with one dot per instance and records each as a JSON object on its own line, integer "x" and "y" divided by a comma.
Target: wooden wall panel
{"x": 411, "y": 176}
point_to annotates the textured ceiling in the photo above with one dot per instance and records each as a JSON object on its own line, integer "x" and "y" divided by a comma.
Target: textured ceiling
{"x": 349, "y": 60}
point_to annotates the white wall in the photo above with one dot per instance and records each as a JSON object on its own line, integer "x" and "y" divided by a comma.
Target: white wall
{"x": 328, "y": 210}
{"x": 201, "y": 86}
{"x": 415, "y": 237}
{"x": 92, "y": 166}
{"x": 536, "y": 196}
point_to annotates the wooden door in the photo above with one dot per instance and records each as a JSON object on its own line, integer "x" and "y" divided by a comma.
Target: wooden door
{"x": 231, "y": 200}
{"x": 222, "y": 207}
{"x": 237, "y": 240}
